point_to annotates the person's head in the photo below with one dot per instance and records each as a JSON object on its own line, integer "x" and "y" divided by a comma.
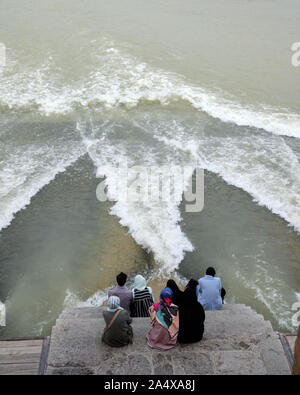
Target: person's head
{"x": 113, "y": 303}
{"x": 210, "y": 272}
{"x": 192, "y": 284}
{"x": 190, "y": 291}
{"x": 139, "y": 283}
{"x": 166, "y": 295}
{"x": 172, "y": 285}
{"x": 121, "y": 279}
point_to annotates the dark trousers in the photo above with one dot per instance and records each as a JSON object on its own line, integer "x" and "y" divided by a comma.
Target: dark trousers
{"x": 223, "y": 293}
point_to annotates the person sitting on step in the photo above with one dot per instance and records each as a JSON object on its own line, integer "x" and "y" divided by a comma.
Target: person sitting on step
{"x": 122, "y": 291}
{"x": 209, "y": 291}
{"x": 142, "y": 298}
{"x": 118, "y": 331}
{"x": 191, "y": 312}
{"x": 165, "y": 322}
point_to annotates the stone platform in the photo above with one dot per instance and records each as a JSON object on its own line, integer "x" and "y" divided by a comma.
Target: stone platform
{"x": 237, "y": 340}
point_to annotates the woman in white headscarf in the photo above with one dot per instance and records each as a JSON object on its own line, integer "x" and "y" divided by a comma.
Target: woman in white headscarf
{"x": 118, "y": 331}
{"x": 142, "y": 298}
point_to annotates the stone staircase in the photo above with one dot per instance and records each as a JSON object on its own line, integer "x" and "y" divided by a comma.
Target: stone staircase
{"x": 237, "y": 340}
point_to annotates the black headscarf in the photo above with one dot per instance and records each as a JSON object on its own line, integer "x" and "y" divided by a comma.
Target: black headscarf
{"x": 190, "y": 295}
{"x": 177, "y": 294}
{"x": 191, "y": 313}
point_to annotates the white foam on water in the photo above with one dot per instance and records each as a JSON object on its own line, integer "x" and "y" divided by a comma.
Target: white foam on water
{"x": 117, "y": 78}
{"x": 100, "y": 297}
{"x": 277, "y": 188}
{"x": 154, "y": 225}
{"x": 96, "y": 300}
{"x": 263, "y": 165}
{"x": 156, "y": 228}
{"x": 26, "y": 170}
{"x": 267, "y": 290}
{"x": 25, "y": 193}
{"x": 266, "y": 168}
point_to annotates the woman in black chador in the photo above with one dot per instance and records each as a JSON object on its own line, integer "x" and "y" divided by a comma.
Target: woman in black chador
{"x": 191, "y": 312}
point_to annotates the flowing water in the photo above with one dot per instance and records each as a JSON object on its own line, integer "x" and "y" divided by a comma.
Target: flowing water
{"x": 91, "y": 84}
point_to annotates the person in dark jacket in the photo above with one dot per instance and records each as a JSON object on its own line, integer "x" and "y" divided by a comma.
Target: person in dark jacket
{"x": 191, "y": 312}
{"x": 118, "y": 331}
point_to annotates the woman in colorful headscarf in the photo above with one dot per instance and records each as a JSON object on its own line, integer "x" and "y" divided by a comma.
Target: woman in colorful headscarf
{"x": 118, "y": 331}
{"x": 165, "y": 322}
{"x": 192, "y": 314}
{"x": 142, "y": 298}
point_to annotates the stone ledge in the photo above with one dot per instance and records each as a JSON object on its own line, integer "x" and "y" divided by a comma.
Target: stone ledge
{"x": 236, "y": 341}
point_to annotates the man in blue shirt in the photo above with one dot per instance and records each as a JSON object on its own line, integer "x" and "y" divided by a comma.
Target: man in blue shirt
{"x": 209, "y": 291}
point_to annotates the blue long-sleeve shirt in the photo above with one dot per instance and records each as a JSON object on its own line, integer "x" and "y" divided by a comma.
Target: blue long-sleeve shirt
{"x": 209, "y": 293}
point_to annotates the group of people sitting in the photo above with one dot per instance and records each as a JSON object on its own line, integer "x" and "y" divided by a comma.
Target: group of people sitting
{"x": 178, "y": 317}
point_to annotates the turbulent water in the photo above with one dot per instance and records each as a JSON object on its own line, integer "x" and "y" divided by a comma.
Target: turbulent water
{"x": 89, "y": 85}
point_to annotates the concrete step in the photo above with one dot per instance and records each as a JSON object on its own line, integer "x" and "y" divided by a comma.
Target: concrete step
{"x": 236, "y": 320}
{"x": 86, "y": 312}
{"x": 142, "y": 326}
{"x": 237, "y": 340}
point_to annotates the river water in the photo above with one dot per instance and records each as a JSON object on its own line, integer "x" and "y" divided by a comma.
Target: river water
{"x": 89, "y": 84}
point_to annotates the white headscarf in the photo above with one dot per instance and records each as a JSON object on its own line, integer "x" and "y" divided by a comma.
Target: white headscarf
{"x": 140, "y": 284}
{"x": 114, "y": 304}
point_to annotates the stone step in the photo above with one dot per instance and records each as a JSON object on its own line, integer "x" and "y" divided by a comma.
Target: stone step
{"x": 237, "y": 340}
{"x": 220, "y": 315}
{"x": 83, "y": 310}
{"x": 98, "y": 312}
{"x": 246, "y": 314}
{"x": 75, "y": 311}
{"x": 95, "y": 311}
{"x": 241, "y": 312}
{"x": 216, "y": 324}
{"x": 88, "y": 312}
{"x": 238, "y": 318}
{"x": 228, "y": 355}
{"x": 81, "y": 316}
